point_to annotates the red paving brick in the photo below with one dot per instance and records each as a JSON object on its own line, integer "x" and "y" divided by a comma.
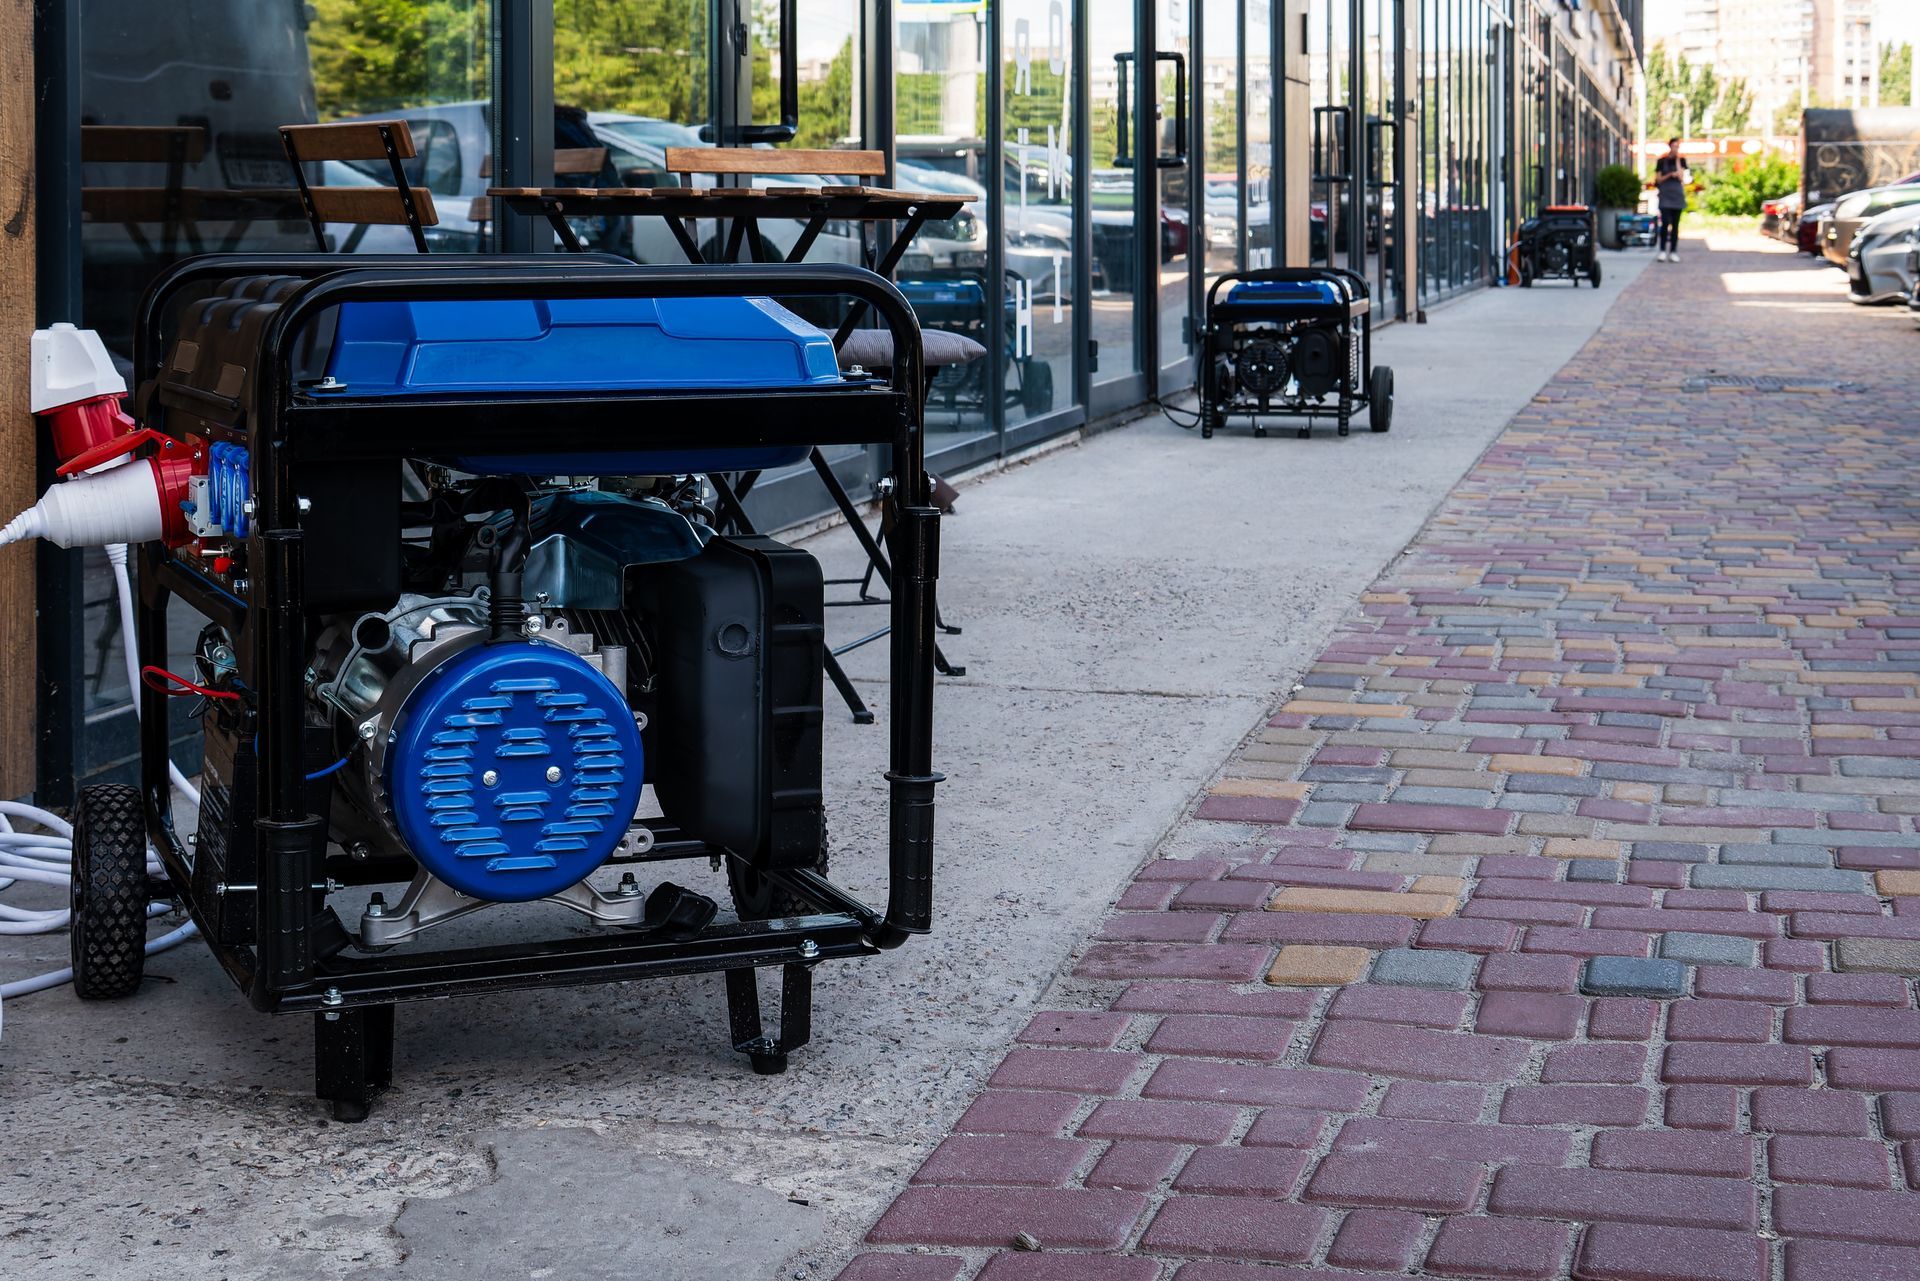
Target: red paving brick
{"x": 1686, "y": 627}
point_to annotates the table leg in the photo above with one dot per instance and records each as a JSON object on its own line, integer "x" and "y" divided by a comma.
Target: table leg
{"x": 557, "y": 219}
{"x": 680, "y": 233}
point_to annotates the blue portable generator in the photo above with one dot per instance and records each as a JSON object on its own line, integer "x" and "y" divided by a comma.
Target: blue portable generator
{"x": 459, "y": 603}
{"x": 1294, "y": 342}
{"x": 956, "y": 301}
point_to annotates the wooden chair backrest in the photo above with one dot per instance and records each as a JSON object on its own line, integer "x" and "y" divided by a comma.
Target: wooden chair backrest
{"x": 771, "y": 160}
{"x": 360, "y": 140}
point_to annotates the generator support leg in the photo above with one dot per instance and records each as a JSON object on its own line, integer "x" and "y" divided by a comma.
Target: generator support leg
{"x": 352, "y": 1058}
{"x": 769, "y": 1057}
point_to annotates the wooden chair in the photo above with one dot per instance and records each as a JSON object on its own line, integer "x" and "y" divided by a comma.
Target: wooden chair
{"x": 171, "y": 205}
{"x": 578, "y": 163}
{"x": 401, "y": 205}
{"x": 722, "y": 163}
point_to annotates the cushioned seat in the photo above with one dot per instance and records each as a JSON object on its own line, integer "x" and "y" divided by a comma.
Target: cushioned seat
{"x": 873, "y": 349}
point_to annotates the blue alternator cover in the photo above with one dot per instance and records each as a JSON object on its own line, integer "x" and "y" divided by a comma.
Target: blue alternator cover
{"x": 515, "y": 710}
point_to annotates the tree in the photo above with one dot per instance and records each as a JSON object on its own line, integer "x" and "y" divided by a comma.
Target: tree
{"x": 1667, "y": 74}
{"x": 1896, "y": 73}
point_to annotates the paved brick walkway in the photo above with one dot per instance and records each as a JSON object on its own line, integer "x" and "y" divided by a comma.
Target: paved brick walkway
{"x": 1569, "y": 937}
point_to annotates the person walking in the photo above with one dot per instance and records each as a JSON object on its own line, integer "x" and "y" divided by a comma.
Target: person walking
{"x": 1670, "y": 186}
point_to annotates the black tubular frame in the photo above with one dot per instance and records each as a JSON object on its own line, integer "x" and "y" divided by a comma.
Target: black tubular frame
{"x": 1355, "y": 325}
{"x": 291, "y": 428}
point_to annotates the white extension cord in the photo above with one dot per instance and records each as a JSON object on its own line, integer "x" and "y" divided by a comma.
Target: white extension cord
{"x": 45, "y": 856}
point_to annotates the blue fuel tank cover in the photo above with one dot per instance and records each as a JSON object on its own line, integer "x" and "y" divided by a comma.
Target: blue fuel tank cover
{"x": 1283, "y": 291}
{"x": 514, "y": 770}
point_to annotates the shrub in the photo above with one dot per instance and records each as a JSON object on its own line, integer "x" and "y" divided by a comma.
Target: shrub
{"x": 1617, "y": 187}
{"x": 1742, "y": 190}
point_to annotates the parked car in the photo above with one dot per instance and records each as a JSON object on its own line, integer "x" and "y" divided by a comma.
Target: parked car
{"x": 1776, "y": 216}
{"x": 1806, "y": 232}
{"x": 1877, "y": 260}
{"x": 1850, "y": 212}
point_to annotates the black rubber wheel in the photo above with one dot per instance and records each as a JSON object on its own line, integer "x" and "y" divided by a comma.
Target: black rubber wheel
{"x": 757, "y": 899}
{"x": 108, "y": 938}
{"x": 1036, "y": 387}
{"x": 1593, "y": 273}
{"x": 1380, "y": 398}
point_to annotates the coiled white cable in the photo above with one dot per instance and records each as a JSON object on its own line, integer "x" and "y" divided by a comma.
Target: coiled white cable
{"x": 45, "y": 856}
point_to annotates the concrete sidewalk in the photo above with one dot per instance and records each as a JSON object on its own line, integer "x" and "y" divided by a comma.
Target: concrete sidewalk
{"x": 1564, "y": 922}
{"x": 1132, "y": 606}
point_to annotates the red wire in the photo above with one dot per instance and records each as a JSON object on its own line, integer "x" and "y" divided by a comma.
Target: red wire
{"x": 149, "y": 674}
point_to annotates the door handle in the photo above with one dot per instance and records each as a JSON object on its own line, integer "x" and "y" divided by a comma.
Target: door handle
{"x": 789, "y": 124}
{"x": 1179, "y": 156}
{"x": 1328, "y": 172}
{"x": 1122, "y": 157}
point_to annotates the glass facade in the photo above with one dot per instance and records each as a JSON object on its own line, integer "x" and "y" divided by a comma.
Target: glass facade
{"x": 1114, "y": 155}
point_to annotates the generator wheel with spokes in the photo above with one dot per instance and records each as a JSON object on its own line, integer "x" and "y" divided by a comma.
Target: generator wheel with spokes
{"x": 108, "y": 938}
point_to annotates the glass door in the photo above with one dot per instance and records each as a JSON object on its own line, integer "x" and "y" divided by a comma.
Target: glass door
{"x": 1225, "y": 98}
{"x": 1118, "y": 269}
{"x": 1181, "y": 207}
{"x": 1037, "y": 199}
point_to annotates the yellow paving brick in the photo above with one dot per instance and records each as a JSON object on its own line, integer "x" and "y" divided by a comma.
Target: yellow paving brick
{"x": 1305, "y": 898}
{"x": 1640, "y": 793}
{"x": 1581, "y": 847}
{"x": 1564, "y": 766}
{"x": 1893, "y": 882}
{"x": 1480, "y": 651}
{"x": 1305, "y": 965}
{"x": 1886, "y": 704}
{"x": 1832, "y": 621}
{"x": 1259, "y": 787}
{"x": 1533, "y": 678}
{"x": 1451, "y": 886}
{"x": 1410, "y": 660}
{"x": 1319, "y": 707}
{"x": 1843, "y": 731}
{"x": 1384, "y": 598}
{"x": 1644, "y": 669}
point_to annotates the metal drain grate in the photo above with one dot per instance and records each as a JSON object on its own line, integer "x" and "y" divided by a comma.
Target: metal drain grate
{"x": 1771, "y": 383}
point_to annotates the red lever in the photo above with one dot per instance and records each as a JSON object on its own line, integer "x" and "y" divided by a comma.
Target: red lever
{"x": 112, "y": 449}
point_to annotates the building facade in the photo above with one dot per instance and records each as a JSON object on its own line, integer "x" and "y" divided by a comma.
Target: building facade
{"x": 1116, "y": 157}
{"x": 1790, "y": 52}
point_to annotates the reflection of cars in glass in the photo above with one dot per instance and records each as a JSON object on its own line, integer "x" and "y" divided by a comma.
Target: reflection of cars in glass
{"x": 1850, "y": 212}
{"x": 1877, "y": 259}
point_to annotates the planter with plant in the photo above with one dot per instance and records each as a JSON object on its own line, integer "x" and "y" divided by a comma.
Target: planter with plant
{"x": 1617, "y": 190}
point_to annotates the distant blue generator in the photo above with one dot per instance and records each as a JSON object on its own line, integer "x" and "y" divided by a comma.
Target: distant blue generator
{"x": 1294, "y": 342}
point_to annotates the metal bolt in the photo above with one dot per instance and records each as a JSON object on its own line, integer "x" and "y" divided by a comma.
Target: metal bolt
{"x": 304, "y": 504}
{"x": 242, "y": 585}
{"x": 368, "y": 729}
{"x": 331, "y": 996}
{"x": 809, "y": 949}
{"x": 639, "y": 720}
{"x": 330, "y": 383}
{"x": 489, "y": 778}
{"x": 360, "y": 851}
{"x": 246, "y": 505}
{"x": 553, "y": 773}
{"x": 377, "y": 905}
{"x": 533, "y": 624}
{"x": 629, "y": 888}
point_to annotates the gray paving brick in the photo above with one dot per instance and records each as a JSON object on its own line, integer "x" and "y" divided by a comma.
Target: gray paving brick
{"x": 1715, "y": 876}
{"x": 1880, "y": 956}
{"x": 1808, "y": 836}
{"x": 1322, "y": 814}
{"x": 1425, "y": 967}
{"x": 1878, "y": 767}
{"x": 1345, "y": 774}
{"x": 1633, "y": 976}
{"x": 1474, "y": 798}
{"x": 1550, "y": 785}
{"x": 1670, "y": 851}
{"x": 1409, "y": 864}
{"x": 1706, "y": 949}
{"x": 1593, "y": 869}
{"x": 1523, "y": 804}
{"x": 1349, "y": 793}
{"x": 1775, "y": 856}
{"x": 1393, "y": 842}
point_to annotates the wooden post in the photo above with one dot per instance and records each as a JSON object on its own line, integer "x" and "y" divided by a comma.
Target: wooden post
{"x": 17, "y": 428}
{"x": 1296, "y": 145}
